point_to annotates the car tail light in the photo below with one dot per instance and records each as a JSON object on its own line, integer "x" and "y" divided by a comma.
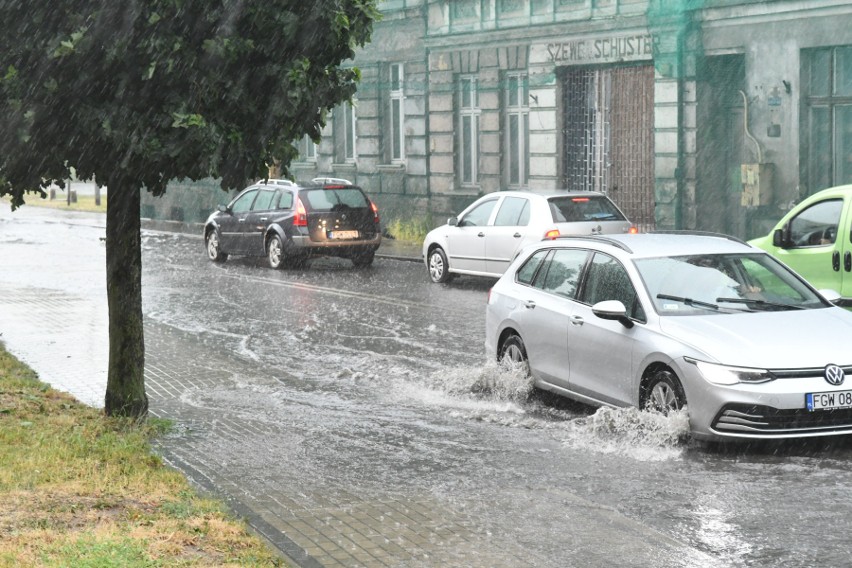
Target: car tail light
{"x": 301, "y": 218}
{"x": 580, "y": 200}
{"x": 375, "y": 211}
{"x": 633, "y": 230}
{"x": 551, "y": 234}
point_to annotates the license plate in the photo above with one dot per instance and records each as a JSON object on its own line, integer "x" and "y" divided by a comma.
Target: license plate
{"x": 343, "y": 234}
{"x": 828, "y": 400}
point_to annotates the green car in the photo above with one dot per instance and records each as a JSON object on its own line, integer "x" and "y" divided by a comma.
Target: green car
{"x": 815, "y": 240}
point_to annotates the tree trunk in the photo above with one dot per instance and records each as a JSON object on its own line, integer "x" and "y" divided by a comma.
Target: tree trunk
{"x": 125, "y": 392}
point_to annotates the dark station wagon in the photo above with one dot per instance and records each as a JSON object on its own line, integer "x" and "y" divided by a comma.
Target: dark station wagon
{"x": 291, "y": 222}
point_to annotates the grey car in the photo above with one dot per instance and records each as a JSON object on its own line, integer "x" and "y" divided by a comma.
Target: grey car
{"x": 484, "y": 238}
{"x": 291, "y": 222}
{"x": 667, "y": 322}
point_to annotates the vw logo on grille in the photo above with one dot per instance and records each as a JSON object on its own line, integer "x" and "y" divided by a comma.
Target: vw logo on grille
{"x": 834, "y": 375}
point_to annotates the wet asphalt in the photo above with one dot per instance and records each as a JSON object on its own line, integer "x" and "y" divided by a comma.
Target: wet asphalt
{"x": 351, "y": 418}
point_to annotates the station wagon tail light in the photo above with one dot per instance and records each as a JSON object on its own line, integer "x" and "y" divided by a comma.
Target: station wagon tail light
{"x": 375, "y": 211}
{"x": 725, "y": 375}
{"x": 301, "y": 218}
{"x": 551, "y": 234}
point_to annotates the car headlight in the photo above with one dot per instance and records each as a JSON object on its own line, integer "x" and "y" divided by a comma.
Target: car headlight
{"x": 727, "y": 375}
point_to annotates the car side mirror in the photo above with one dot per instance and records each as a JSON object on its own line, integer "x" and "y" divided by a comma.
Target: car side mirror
{"x": 781, "y": 237}
{"x": 453, "y": 221}
{"x": 612, "y": 310}
{"x": 830, "y": 295}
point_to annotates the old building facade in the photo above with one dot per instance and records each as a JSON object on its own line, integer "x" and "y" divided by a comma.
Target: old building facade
{"x": 710, "y": 115}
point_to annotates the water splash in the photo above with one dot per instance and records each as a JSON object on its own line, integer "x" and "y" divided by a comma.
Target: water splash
{"x": 639, "y": 434}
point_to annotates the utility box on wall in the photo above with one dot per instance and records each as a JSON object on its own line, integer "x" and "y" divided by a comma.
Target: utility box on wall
{"x": 757, "y": 184}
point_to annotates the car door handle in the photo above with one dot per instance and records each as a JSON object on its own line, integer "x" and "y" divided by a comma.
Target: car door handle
{"x": 517, "y": 235}
{"x": 529, "y": 304}
{"x": 242, "y": 220}
{"x": 835, "y": 261}
{"x": 847, "y": 261}
{"x": 576, "y": 320}
{"x": 481, "y": 235}
{"x": 263, "y": 219}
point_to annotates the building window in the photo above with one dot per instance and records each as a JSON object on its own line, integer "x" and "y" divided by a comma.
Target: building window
{"x": 827, "y": 139}
{"x": 468, "y": 132}
{"x": 344, "y": 132}
{"x": 307, "y": 149}
{"x": 517, "y": 132}
{"x": 397, "y": 113}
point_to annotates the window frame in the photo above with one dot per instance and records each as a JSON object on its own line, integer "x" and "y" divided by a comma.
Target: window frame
{"x": 468, "y": 143}
{"x": 396, "y": 126}
{"x": 516, "y": 145}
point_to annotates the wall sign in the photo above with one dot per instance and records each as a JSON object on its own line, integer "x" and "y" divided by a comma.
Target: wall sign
{"x": 603, "y": 50}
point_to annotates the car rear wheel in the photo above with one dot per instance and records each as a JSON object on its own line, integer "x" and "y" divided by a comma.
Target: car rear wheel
{"x": 663, "y": 393}
{"x": 439, "y": 267}
{"x": 214, "y": 249}
{"x": 363, "y": 259}
{"x": 275, "y": 252}
{"x": 513, "y": 352}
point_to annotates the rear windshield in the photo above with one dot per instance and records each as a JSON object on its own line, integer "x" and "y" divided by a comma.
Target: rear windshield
{"x": 568, "y": 209}
{"x": 328, "y": 199}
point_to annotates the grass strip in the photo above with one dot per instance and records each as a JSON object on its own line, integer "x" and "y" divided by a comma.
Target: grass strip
{"x": 80, "y": 489}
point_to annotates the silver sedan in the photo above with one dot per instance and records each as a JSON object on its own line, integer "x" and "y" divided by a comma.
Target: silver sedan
{"x": 670, "y": 322}
{"x": 484, "y": 238}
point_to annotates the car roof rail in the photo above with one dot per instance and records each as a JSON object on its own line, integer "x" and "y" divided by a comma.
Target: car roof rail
{"x": 600, "y": 238}
{"x": 698, "y": 234}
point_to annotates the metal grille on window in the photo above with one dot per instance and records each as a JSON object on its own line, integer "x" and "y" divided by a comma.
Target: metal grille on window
{"x": 608, "y": 136}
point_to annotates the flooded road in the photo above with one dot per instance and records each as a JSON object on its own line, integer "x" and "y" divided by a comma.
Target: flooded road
{"x": 354, "y": 412}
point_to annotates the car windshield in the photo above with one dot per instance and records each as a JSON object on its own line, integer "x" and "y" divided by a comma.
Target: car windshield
{"x": 723, "y": 283}
{"x": 591, "y": 208}
{"x": 328, "y": 199}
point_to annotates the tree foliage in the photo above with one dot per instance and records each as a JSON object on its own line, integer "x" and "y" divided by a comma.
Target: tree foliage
{"x": 165, "y": 89}
{"x": 138, "y": 92}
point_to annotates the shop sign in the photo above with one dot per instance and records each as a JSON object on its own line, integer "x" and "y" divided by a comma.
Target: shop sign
{"x": 602, "y": 50}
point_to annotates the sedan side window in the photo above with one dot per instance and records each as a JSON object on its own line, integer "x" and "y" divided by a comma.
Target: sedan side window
{"x": 263, "y": 201}
{"x": 607, "y": 279}
{"x": 243, "y": 202}
{"x": 479, "y": 215}
{"x": 563, "y": 272}
{"x": 817, "y": 225}
{"x": 514, "y": 212}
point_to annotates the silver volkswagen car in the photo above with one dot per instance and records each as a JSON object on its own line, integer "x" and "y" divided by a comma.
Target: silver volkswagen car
{"x": 671, "y": 321}
{"x": 484, "y": 238}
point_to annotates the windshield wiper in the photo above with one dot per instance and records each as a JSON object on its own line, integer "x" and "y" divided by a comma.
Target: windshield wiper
{"x": 688, "y": 301}
{"x": 755, "y": 301}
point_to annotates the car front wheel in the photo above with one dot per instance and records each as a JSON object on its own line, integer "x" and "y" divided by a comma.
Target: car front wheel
{"x": 663, "y": 393}
{"x": 214, "y": 249}
{"x": 275, "y": 252}
{"x": 439, "y": 268}
{"x": 514, "y": 353}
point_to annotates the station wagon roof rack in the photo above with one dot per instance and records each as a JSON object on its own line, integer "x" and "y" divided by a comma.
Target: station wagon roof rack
{"x": 271, "y": 181}
{"x": 601, "y": 238}
{"x": 699, "y": 234}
